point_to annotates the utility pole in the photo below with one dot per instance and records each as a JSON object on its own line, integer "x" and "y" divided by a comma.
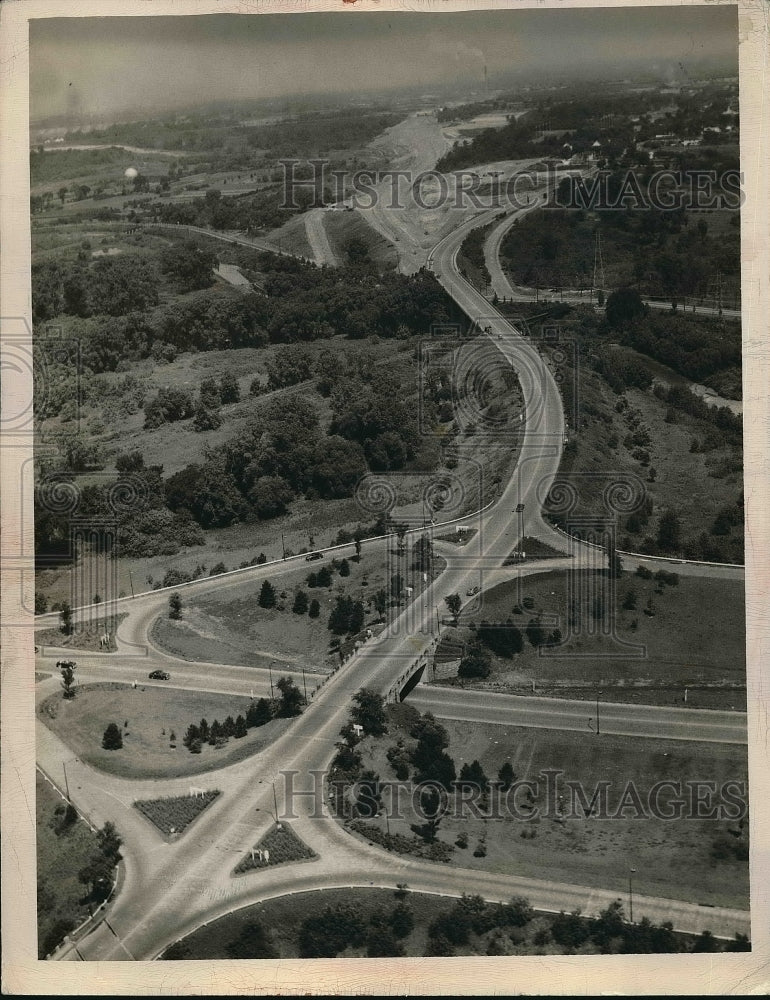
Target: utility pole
{"x": 283, "y": 545}
{"x": 66, "y": 783}
{"x": 598, "y": 262}
{"x": 631, "y": 874}
{"x": 270, "y": 669}
{"x": 131, "y": 581}
{"x": 304, "y": 685}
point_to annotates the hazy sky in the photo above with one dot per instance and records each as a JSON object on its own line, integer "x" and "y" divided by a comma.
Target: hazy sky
{"x": 104, "y": 65}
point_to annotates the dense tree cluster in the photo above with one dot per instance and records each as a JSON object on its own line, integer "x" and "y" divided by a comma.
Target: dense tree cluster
{"x": 97, "y": 872}
{"x": 112, "y": 286}
{"x": 117, "y": 302}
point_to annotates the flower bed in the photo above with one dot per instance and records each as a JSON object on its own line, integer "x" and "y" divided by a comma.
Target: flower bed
{"x": 174, "y": 814}
{"x": 283, "y": 845}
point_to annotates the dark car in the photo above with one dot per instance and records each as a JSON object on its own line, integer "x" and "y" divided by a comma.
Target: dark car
{"x": 160, "y": 675}
{"x": 313, "y": 556}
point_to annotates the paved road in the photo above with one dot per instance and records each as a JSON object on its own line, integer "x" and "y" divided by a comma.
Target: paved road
{"x": 315, "y": 227}
{"x": 565, "y": 715}
{"x": 504, "y": 288}
{"x": 171, "y": 888}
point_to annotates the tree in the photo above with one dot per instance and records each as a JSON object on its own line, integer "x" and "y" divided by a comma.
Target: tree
{"x": 473, "y": 775}
{"x": 300, "y": 605}
{"x": 629, "y": 601}
{"x": 358, "y": 550}
{"x": 396, "y": 585}
{"x": 109, "y": 842}
{"x": 113, "y": 738}
{"x": 192, "y": 736}
{"x": 252, "y": 942}
{"x": 535, "y": 632}
{"x": 175, "y": 607}
{"x": 504, "y": 640}
{"x": 65, "y": 619}
{"x": 668, "y": 531}
{"x": 324, "y": 578}
{"x": 258, "y": 713}
{"x": 209, "y": 394}
{"x": 205, "y": 419}
{"x": 506, "y": 776}
{"x": 422, "y": 551}
{"x": 170, "y": 404}
{"x": 706, "y": 942}
{"x": 339, "y": 619}
{"x": 454, "y": 602}
{"x": 315, "y": 609}
{"x": 188, "y": 264}
{"x": 624, "y": 305}
{"x": 330, "y": 932}
{"x": 97, "y": 873}
{"x": 270, "y": 496}
{"x": 291, "y": 698}
{"x": 476, "y": 662}
{"x": 380, "y": 601}
{"x": 267, "y": 598}
{"x": 41, "y": 603}
{"x": 240, "y": 728}
{"x": 344, "y": 569}
{"x": 430, "y": 803}
{"x": 401, "y": 920}
{"x": 67, "y": 669}
{"x": 369, "y": 712}
{"x": 229, "y": 390}
{"x": 357, "y": 617}
{"x": 615, "y": 564}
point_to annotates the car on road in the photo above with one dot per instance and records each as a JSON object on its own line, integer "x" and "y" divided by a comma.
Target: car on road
{"x": 313, "y": 556}
{"x": 519, "y": 508}
{"x": 160, "y": 675}
{"x": 472, "y": 591}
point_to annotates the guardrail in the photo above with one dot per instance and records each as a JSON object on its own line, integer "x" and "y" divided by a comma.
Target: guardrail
{"x": 674, "y": 560}
{"x": 298, "y": 557}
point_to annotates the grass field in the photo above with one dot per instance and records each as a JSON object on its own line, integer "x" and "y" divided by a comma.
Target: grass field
{"x": 62, "y": 850}
{"x": 88, "y": 638}
{"x": 599, "y": 455}
{"x": 341, "y": 227}
{"x": 696, "y": 638}
{"x": 233, "y": 628}
{"x": 672, "y": 857}
{"x": 152, "y": 714}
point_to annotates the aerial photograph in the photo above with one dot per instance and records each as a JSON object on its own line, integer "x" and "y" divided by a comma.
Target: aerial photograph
{"x": 389, "y": 593}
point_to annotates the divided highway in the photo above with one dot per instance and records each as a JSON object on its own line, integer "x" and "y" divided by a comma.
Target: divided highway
{"x": 172, "y": 888}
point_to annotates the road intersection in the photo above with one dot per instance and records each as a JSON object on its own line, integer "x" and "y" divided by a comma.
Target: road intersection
{"x": 171, "y": 888}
